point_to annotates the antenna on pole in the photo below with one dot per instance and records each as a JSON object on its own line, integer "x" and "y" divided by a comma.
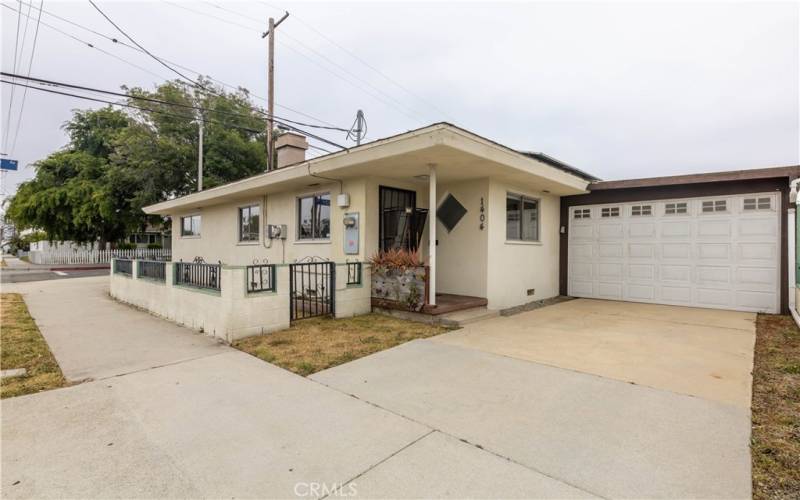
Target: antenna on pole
{"x": 358, "y": 130}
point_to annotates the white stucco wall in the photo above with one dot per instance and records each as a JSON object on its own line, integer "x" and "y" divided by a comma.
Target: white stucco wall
{"x": 515, "y": 267}
{"x": 462, "y": 254}
{"x": 232, "y": 313}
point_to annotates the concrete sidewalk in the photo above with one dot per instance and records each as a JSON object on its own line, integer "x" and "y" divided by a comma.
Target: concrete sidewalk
{"x": 94, "y": 337}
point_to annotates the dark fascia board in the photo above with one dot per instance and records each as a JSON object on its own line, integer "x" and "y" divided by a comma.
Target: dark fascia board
{"x": 791, "y": 172}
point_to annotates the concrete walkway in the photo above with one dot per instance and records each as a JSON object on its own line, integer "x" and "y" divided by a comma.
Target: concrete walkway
{"x": 171, "y": 413}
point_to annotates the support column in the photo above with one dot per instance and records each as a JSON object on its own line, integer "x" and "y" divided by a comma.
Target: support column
{"x": 432, "y": 235}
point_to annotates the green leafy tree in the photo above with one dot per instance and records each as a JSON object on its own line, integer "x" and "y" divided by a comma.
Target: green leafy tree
{"x": 118, "y": 162}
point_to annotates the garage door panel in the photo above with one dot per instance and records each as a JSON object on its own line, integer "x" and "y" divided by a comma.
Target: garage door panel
{"x": 714, "y": 229}
{"x": 725, "y": 259}
{"x": 611, "y": 250}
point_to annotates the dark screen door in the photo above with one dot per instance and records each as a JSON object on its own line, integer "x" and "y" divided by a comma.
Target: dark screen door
{"x": 396, "y": 208}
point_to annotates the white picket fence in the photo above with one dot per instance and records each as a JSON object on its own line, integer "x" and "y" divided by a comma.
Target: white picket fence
{"x": 72, "y": 256}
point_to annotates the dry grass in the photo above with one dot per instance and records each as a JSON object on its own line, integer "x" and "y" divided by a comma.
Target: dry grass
{"x": 776, "y": 409}
{"x": 315, "y": 344}
{"x": 24, "y": 347}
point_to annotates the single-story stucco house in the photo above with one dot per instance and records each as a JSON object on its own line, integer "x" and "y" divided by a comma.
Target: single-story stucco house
{"x": 495, "y": 228}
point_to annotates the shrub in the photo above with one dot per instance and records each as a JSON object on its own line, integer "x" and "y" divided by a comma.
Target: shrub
{"x": 396, "y": 258}
{"x": 126, "y": 246}
{"x": 153, "y": 246}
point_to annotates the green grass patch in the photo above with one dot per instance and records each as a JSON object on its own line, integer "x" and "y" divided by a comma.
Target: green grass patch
{"x": 24, "y": 347}
{"x": 315, "y": 344}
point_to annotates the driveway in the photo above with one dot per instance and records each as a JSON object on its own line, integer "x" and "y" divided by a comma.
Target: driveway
{"x": 614, "y": 399}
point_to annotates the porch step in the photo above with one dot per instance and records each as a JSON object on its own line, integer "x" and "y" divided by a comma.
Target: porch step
{"x": 467, "y": 316}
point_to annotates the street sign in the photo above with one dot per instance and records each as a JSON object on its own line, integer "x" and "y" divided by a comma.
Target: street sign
{"x": 6, "y": 164}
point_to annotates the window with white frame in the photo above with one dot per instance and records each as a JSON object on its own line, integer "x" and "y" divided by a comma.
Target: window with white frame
{"x": 582, "y": 213}
{"x": 676, "y": 208}
{"x": 609, "y": 212}
{"x": 711, "y": 206}
{"x": 640, "y": 210}
{"x": 190, "y": 225}
{"x": 314, "y": 217}
{"x": 753, "y": 204}
{"x": 522, "y": 218}
{"x": 248, "y": 223}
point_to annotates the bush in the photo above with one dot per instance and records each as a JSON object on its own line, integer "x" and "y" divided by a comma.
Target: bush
{"x": 126, "y": 246}
{"x": 396, "y": 258}
{"x": 153, "y": 246}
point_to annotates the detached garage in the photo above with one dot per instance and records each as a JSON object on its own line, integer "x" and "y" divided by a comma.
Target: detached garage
{"x": 714, "y": 240}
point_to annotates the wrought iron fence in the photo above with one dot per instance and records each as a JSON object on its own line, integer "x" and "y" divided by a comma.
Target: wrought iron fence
{"x": 312, "y": 289}
{"x": 354, "y": 273}
{"x": 152, "y": 269}
{"x": 198, "y": 275}
{"x": 261, "y": 278}
{"x": 123, "y": 266}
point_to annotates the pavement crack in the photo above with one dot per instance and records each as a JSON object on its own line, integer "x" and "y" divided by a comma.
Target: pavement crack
{"x": 173, "y": 363}
{"x": 379, "y": 462}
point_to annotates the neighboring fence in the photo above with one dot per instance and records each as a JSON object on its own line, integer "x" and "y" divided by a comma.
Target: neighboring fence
{"x": 261, "y": 278}
{"x": 123, "y": 266}
{"x": 70, "y": 256}
{"x": 151, "y": 269}
{"x": 198, "y": 275}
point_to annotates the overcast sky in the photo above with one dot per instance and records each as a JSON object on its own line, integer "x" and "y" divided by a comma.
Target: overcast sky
{"x": 620, "y": 90}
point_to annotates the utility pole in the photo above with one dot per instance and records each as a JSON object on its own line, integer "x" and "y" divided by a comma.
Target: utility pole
{"x": 200, "y": 157}
{"x": 271, "y": 82}
{"x": 359, "y": 129}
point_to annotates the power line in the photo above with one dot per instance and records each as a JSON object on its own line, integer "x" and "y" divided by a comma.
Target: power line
{"x": 306, "y": 56}
{"x": 153, "y": 100}
{"x": 30, "y": 65}
{"x": 359, "y": 59}
{"x": 132, "y": 47}
{"x": 340, "y": 129}
{"x": 11, "y": 100}
{"x": 322, "y": 56}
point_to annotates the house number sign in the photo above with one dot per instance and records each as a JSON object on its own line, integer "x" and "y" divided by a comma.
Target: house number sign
{"x": 483, "y": 215}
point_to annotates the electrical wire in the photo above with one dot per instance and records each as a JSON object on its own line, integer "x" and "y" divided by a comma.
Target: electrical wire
{"x": 158, "y": 101}
{"x": 25, "y": 92}
{"x": 306, "y": 56}
{"x": 132, "y": 47}
{"x": 11, "y": 100}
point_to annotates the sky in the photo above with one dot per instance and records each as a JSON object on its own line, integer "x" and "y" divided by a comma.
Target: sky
{"x": 621, "y": 90}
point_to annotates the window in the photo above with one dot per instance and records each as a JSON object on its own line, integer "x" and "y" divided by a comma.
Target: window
{"x": 248, "y": 223}
{"x": 522, "y": 218}
{"x": 582, "y": 213}
{"x": 190, "y": 226}
{"x": 714, "y": 206}
{"x": 609, "y": 212}
{"x": 757, "y": 204}
{"x": 314, "y": 217}
{"x": 675, "y": 208}
{"x": 640, "y": 210}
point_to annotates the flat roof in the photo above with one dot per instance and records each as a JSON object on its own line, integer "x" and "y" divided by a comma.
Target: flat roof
{"x": 791, "y": 171}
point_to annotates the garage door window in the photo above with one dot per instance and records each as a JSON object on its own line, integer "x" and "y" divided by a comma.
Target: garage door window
{"x": 640, "y": 210}
{"x": 675, "y": 208}
{"x": 522, "y": 218}
{"x": 582, "y": 213}
{"x": 753, "y": 204}
{"x": 609, "y": 212}
{"x": 711, "y": 206}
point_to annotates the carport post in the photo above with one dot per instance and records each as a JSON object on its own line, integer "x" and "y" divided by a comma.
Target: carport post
{"x": 432, "y": 235}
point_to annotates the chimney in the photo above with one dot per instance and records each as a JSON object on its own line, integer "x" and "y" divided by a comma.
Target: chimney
{"x": 291, "y": 148}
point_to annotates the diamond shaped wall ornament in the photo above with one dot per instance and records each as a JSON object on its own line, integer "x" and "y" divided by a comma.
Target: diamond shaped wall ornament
{"x": 450, "y": 212}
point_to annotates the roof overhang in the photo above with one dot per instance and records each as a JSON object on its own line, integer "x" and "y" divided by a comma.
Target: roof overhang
{"x": 458, "y": 155}
{"x": 791, "y": 172}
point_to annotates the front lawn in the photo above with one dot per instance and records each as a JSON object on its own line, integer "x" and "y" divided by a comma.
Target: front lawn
{"x": 24, "y": 347}
{"x": 776, "y": 408}
{"x": 315, "y": 344}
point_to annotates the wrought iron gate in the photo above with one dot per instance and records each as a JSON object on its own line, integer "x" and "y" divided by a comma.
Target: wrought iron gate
{"x": 312, "y": 289}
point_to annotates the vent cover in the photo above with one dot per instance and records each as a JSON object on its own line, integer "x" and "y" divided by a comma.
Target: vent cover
{"x": 450, "y": 212}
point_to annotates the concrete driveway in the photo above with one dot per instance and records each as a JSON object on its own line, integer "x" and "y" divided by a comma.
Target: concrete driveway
{"x": 700, "y": 352}
{"x": 614, "y": 399}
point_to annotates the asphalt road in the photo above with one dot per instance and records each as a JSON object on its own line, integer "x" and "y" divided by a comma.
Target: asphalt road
{"x": 20, "y": 276}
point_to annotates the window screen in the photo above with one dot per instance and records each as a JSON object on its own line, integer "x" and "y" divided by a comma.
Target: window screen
{"x": 522, "y": 218}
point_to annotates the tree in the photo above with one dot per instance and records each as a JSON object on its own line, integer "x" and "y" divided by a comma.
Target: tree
{"x": 118, "y": 162}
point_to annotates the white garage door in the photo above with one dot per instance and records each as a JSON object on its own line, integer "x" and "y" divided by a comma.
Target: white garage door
{"x": 717, "y": 252}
